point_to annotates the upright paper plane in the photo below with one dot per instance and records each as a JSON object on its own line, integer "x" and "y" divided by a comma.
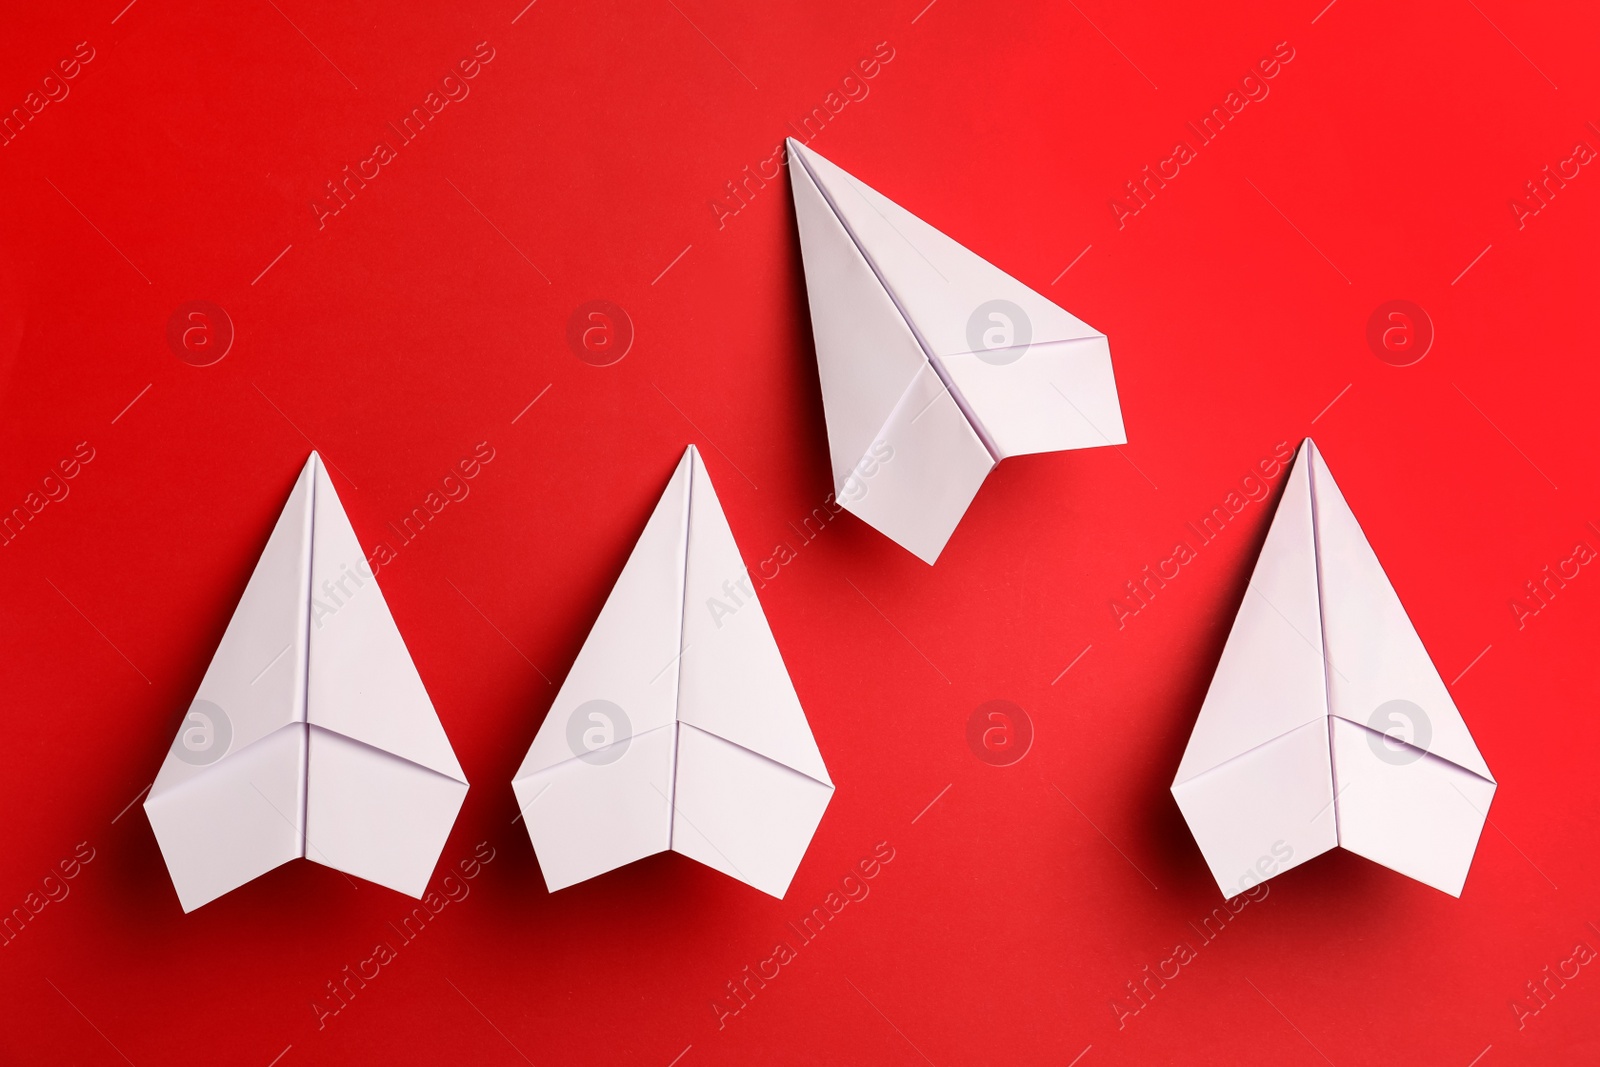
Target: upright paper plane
{"x": 677, "y": 727}
{"x": 935, "y": 364}
{"x": 1326, "y": 723}
{"x": 311, "y": 734}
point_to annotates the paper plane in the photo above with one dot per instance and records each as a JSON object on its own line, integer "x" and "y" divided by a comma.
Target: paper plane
{"x": 935, "y": 364}
{"x": 1326, "y": 723}
{"x": 311, "y": 735}
{"x": 678, "y": 727}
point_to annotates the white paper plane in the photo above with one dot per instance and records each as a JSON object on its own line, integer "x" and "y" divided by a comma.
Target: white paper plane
{"x": 311, "y": 734}
{"x": 1326, "y": 723}
{"x": 935, "y": 364}
{"x": 678, "y": 727}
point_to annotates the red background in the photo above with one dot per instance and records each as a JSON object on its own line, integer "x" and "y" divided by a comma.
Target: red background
{"x": 414, "y": 325}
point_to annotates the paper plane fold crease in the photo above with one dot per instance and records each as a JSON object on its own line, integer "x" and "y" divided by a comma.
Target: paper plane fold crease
{"x": 678, "y": 727}
{"x": 935, "y": 364}
{"x": 311, "y": 734}
{"x": 1326, "y": 724}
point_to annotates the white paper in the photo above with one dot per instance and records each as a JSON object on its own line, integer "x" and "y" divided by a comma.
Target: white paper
{"x": 891, "y": 299}
{"x": 311, "y": 734}
{"x": 678, "y": 727}
{"x": 1326, "y": 723}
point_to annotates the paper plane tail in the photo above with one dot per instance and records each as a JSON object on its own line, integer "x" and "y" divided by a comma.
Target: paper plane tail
{"x": 918, "y": 478}
{"x": 375, "y": 815}
{"x": 743, "y": 814}
{"x": 1410, "y": 811}
{"x": 1265, "y": 811}
{"x": 601, "y": 809}
{"x": 1048, "y": 397}
{"x": 235, "y": 820}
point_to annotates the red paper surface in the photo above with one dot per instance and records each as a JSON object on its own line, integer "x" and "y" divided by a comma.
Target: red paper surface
{"x": 1382, "y": 161}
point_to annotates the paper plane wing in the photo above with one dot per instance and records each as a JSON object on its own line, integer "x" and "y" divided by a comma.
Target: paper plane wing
{"x": 1399, "y": 742}
{"x": 1294, "y": 750}
{"x": 311, "y": 734}
{"x": 383, "y": 785}
{"x": 891, "y": 299}
{"x": 228, "y": 803}
{"x": 595, "y": 788}
{"x": 1256, "y": 772}
{"x": 751, "y": 786}
{"x": 678, "y": 727}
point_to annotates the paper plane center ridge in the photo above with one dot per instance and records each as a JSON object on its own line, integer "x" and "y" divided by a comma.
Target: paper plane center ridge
{"x": 935, "y": 364}
{"x": 1326, "y": 724}
{"x": 677, "y": 728}
{"x": 311, "y": 734}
